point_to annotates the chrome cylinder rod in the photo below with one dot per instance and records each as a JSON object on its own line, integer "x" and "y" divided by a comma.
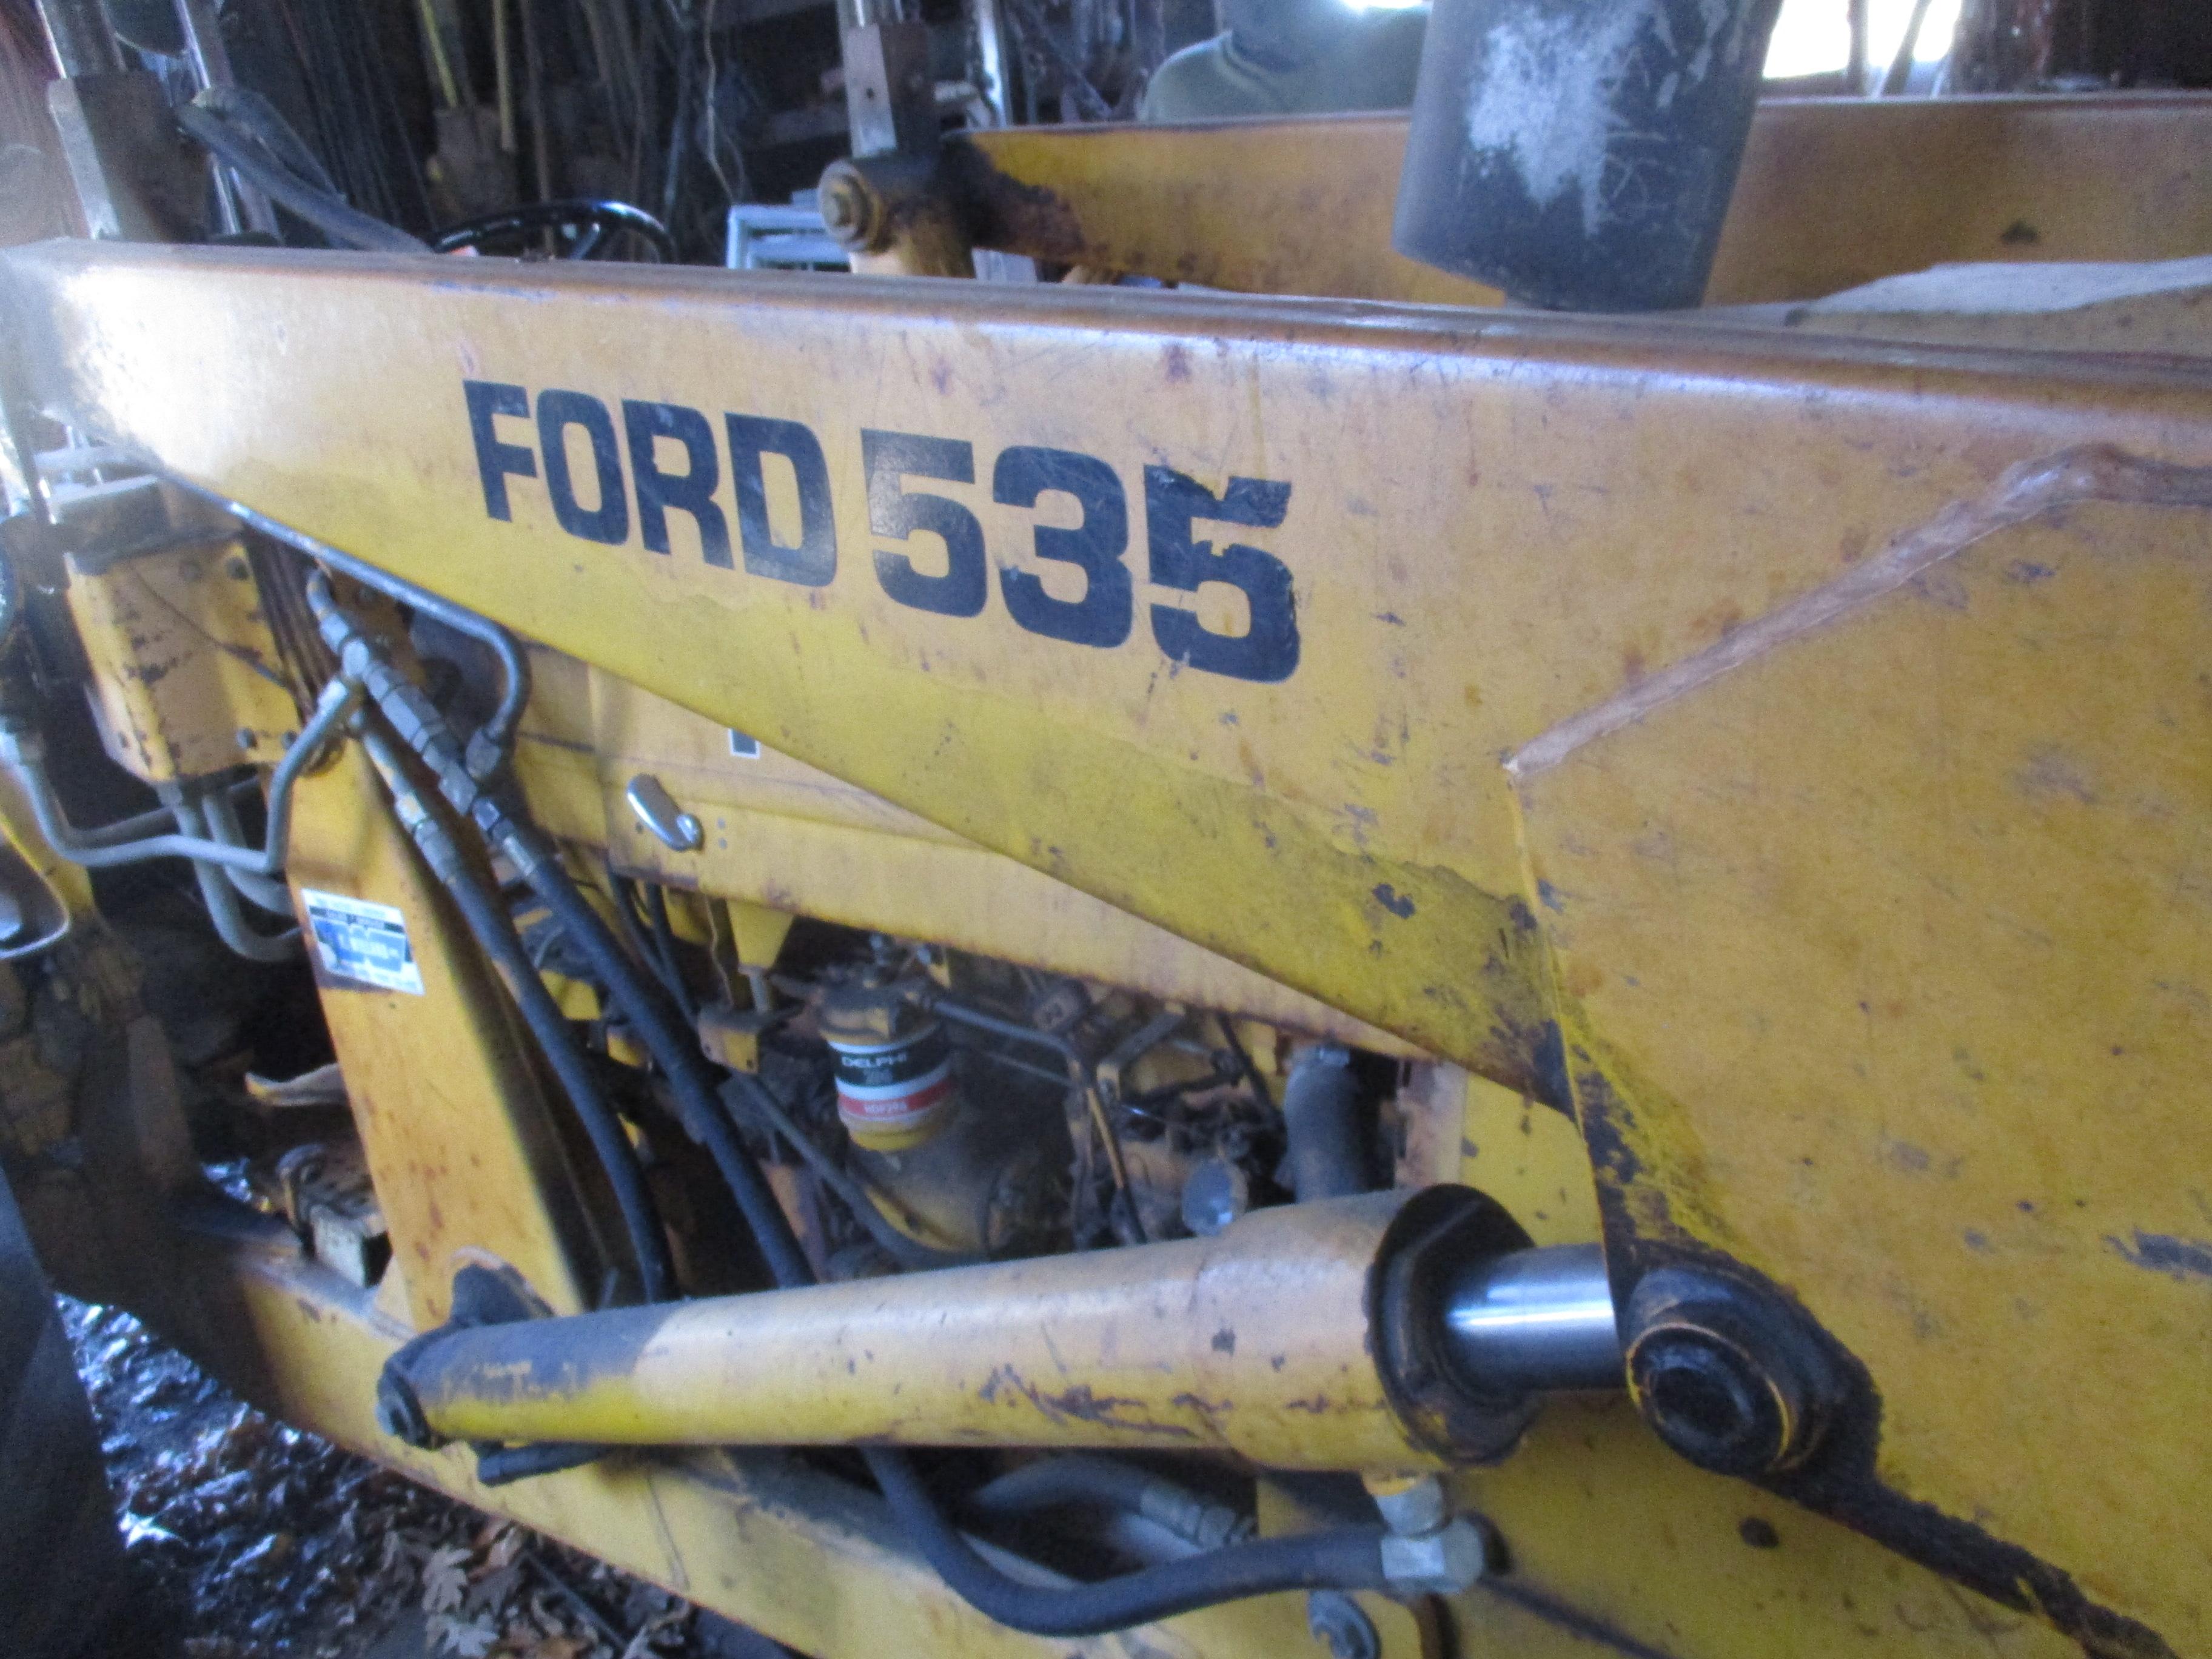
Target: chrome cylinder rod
{"x": 1534, "y": 1321}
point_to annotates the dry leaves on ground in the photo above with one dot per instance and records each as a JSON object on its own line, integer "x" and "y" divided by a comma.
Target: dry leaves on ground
{"x": 256, "y": 1539}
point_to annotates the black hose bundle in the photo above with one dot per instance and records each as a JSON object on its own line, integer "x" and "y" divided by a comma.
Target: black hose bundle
{"x": 493, "y": 929}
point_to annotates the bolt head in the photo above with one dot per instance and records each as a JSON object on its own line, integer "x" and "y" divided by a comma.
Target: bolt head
{"x": 1341, "y": 1625}
{"x": 850, "y": 212}
{"x": 1727, "y": 1375}
{"x": 843, "y": 208}
{"x": 1215, "y": 1194}
{"x": 1708, "y": 1401}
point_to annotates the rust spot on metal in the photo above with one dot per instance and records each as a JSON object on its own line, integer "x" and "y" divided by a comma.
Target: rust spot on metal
{"x": 1002, "y": 212}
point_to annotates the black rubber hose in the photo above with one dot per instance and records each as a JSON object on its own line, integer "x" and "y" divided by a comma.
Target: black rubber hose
{"x": 626, "y": 917}
{"x": 1345, "y": 1558}
{"x": 1052, "y": 1483}
{"x": 676, "y": 1053}
{"x": 415, "y": 721}
{"x": 338, "y": 220}
{"x": 495, "y": 934}
{"x": 494, "y": 931}
{"x": 664, "y": 946}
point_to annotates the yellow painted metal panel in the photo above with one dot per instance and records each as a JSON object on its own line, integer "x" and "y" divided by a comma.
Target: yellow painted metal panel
{"x": 1495, "y": 522}
{"x": 1888, "y": 950}
{"x": 186, "y": 680}
{"x": 1833, "y": 193}
{"x": 784, "y": 835}
{"x": 1531, "y": 1157}
{"x": 1606, "y": 1523}
{"x": 1493, "y": 525}
{"x": 459, "y": 1142}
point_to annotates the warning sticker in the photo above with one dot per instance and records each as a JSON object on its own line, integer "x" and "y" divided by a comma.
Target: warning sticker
{"x": 362, "y": 941}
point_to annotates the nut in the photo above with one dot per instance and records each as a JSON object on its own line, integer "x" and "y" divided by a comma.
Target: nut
{"x": 850, "y": 211}
{"x": 1411, "y": 1507}
{"x": 1439, "y": 1562}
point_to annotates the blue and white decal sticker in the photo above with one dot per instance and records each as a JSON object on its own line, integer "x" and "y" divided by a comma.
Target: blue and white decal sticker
{"x": 362, "y": 941}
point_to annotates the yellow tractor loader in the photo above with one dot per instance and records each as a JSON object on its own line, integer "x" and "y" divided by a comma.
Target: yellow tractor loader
{"x": 1398, "y": 947}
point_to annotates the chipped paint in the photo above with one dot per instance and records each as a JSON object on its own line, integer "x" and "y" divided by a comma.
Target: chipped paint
{"x": 2187, "y": 1260}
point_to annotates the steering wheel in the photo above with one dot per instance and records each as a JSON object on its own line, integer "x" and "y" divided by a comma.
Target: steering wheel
{"x": 592, "y": 221}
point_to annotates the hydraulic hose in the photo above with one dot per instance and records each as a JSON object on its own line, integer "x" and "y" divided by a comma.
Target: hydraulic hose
{"x": 494, "y": 933}
{"x": 1343, "y": 1559}
{"x": 1347, "y": 1558}
{"x": 1056, "y": 1482}
{"x": 416, "y": 722}
{"x": 601, "y": 215}
{"x": 265, "y": 892}
{"x": 222, "y": 901}
{"x": 499, "y": 730}
{"x": 626, "y": 920}
{"x": 645, "y": 1004}
{"x": 664, "y": 946}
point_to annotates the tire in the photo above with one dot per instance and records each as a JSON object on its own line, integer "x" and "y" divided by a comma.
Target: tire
{"x": 62, "y": 1570}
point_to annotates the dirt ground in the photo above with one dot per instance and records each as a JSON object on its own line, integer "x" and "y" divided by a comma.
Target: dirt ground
{"x": 248, "y": 1538}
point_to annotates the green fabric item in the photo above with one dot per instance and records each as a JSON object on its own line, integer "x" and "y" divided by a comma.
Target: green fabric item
{"x": 1366, "y": 61}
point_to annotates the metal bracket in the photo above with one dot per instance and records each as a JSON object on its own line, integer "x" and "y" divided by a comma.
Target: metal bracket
{"x": 656, "y": 809}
